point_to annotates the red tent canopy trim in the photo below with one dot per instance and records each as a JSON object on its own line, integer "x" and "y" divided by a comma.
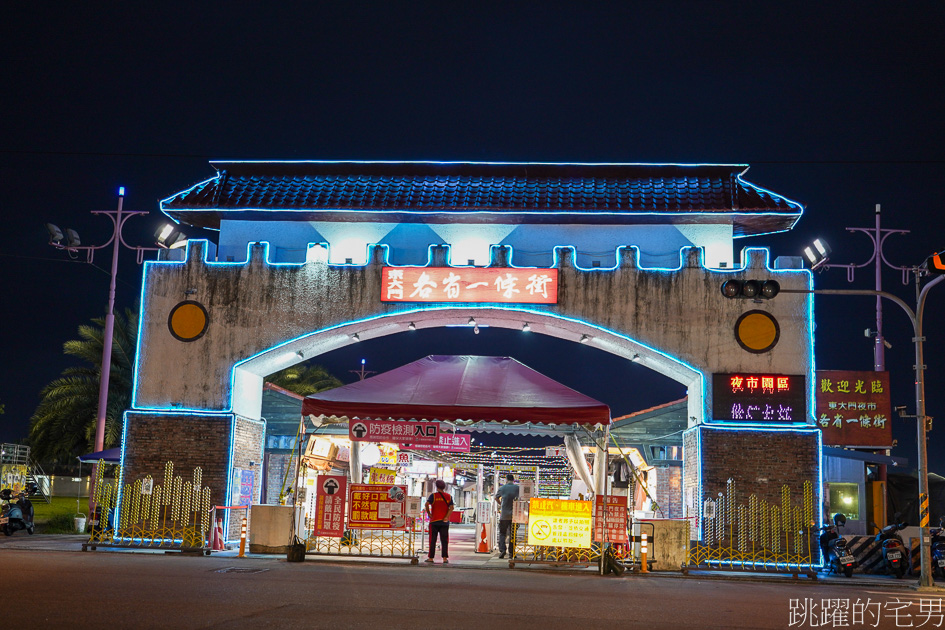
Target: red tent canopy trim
{"x": 463, "y": 390}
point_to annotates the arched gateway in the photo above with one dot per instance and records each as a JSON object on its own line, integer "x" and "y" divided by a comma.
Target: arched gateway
{"x": 627, "y": 258}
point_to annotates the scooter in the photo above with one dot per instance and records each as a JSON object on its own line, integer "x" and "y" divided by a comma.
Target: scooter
{"x": 17, "y": 515}
{"x": 894, "y": 551}
{"x": 938, "y": 549}
{"x": 834, "y": 547}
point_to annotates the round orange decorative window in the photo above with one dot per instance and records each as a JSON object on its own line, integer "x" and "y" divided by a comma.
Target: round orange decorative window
{"x": 188, "y": 321}
{"x": 757, "y": 331}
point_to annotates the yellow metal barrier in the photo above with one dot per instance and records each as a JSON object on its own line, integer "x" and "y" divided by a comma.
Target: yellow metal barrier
{"x": 377, "y": 543}
{"x": 757, "y": 535}
{"x": 171, "y": 515}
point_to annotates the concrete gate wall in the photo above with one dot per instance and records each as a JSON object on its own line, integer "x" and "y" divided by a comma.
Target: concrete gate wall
{"x": 264, "y": 317}
{"x": 676, "y": 320}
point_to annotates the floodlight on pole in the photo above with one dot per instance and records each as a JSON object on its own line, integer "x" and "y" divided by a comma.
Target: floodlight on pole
{"x": 817, "y": 253}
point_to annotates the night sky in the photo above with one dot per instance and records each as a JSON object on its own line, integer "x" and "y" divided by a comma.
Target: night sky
{"x": 836, "y": 105}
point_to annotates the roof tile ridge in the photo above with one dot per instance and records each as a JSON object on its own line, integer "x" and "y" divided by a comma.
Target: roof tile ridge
{"x": 217, "y": 193}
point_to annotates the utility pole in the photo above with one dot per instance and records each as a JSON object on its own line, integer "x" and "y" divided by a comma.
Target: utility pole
{"x": 362, "y": 373}
{"x": 72, "y": 246}
{"x": 878, "y": 236}
{"x": 923, "y": 422}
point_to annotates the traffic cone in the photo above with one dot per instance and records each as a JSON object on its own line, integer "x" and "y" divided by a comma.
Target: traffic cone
{"x": 218, "y": 536}
{"x": 483, "y": 544}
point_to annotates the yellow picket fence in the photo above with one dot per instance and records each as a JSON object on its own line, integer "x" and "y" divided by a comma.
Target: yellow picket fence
{"x": 174, "y": 514}
{"x": 756, "y": 534}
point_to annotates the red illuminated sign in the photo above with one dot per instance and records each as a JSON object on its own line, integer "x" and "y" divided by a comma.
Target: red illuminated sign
{"x": 746, "y": 397}
{"x": 331, "y": 491}
{"x": 377, "y": 506}
{"x": 853, "y": 408}
{"x": 397, "y": 431}
{"x": 449, "y": 442}
{"x": 450, "y": 284}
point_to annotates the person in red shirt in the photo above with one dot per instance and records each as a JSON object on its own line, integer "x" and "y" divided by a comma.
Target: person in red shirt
{"x": 439, "y": 507}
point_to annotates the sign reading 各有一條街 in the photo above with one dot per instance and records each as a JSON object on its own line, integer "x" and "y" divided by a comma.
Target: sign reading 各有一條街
{"x": 766, "y": 398}
{"x": 472, "y": 284}
{"x": 398, "y": 431}
{"x": 559, "y": 523}
{"x": 853, "y": 408}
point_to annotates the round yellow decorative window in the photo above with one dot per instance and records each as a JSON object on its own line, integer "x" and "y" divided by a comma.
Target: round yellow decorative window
{"x": 757, "y": 331}
{"x": 188, "y": 321}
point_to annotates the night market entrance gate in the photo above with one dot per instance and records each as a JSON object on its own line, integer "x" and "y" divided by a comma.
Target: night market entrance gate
{"x": 676, "y": 321}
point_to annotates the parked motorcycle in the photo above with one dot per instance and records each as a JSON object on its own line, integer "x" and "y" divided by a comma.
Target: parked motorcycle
{"x": 938, "y": 549}
{"x": 834, "y": 547}
{"x": 894, "y": 551}
{"x": 17, "y": 510}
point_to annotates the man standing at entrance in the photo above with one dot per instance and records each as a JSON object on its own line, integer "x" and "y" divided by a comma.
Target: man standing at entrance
{"x": 506, "y": 498}
{"x": 439, "y": 507}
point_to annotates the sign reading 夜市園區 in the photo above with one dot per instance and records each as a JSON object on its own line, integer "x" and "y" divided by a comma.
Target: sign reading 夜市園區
{"x": 746, "y": 397}
{"x": 853, "y": 408}
{"x": 471, "y": 284}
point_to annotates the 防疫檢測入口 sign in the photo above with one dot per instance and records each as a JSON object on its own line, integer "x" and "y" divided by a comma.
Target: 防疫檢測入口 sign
{"x": 474, "y": 284}
{"x": 397, "y": 431}
{"x": 853, "y": 408}
{"x": 559, "y": 523}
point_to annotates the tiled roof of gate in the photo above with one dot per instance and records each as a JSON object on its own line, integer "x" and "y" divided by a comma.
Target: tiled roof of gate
{"x": 524, "y": 193}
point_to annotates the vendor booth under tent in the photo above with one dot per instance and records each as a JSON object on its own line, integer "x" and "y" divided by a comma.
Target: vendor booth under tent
{"x": 465, "y": 390}
{"x": 491, "y": 394}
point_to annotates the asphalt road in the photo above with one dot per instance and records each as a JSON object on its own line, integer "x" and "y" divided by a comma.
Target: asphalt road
{"x": 50, "y": 589}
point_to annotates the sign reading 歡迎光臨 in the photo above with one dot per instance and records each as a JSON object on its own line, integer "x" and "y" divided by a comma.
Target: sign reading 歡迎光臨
{"x": 853, "y": 408}
{"x": 449, "y": 443}
{"x": 559, "y": 523}
{"x": 469, "y": 284}
{"x": 398, "y": 431}
{"x": 747, "y": 397}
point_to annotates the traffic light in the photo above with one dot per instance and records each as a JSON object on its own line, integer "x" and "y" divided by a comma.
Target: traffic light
{"x": 936, "y": 263}
{"x": 751, "y": 289}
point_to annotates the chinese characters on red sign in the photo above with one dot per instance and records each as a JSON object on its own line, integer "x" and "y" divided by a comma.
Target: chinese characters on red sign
{"x": 776, "y": 398}
{"x": 472, "y": 284}
{"x": 331, "y": 491}
{"x": 616, "y": 519}
{"x": 377, "y": 506}
{"x": 399, "y": 431}
{"x": 853, "y": 408}
{"x": 449, "y": 443}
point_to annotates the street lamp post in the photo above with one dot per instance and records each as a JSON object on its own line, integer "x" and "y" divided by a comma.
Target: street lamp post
{"x": 118, "y": 218}
{"x": 878, "y": 236}
{"x": 922, "y": 421}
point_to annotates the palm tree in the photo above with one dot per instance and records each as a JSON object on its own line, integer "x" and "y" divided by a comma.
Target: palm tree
{"x": 304, "y": 380}
{"x": 63, "y": 425}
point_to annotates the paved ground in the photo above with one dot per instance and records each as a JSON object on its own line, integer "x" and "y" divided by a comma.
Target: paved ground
{"x": 57, "y": 587}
